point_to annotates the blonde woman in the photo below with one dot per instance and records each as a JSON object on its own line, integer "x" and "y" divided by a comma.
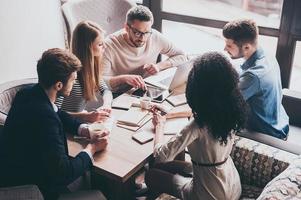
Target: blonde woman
{"x": 88, "y": 45}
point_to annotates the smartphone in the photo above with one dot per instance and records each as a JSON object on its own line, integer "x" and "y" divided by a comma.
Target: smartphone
{"x": 139, "y": 92}
{"x": 143, "y": 137}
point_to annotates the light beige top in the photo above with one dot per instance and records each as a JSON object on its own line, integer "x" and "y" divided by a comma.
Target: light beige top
{"x": 219, "y": 182}
{"x": 121, "y": 58}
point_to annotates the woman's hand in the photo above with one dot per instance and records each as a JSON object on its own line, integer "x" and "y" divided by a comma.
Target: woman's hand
{"x": 96, "y": 116}
{"x": 158, "y": 120}
{"x": 107, "y": 109}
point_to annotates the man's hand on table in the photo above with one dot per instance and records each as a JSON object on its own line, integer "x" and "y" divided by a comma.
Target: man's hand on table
{"x": 99, "y": 142}
{"x": 135, "y": 81}
{"x": 151, "y": 68}
{"x": 97, "y": 115}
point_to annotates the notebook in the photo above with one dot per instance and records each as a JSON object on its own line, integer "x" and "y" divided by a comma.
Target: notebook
{"x": 135, "y": 128}
{"x": 177, "y": 100}
{"x": 124, "y": 101}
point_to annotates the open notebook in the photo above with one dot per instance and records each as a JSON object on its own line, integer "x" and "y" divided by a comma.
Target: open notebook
{"x": 177, "y": 100}
{"x": 134, "y": 118}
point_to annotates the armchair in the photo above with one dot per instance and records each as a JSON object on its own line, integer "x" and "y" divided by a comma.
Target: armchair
{"x": 110, "y": 15}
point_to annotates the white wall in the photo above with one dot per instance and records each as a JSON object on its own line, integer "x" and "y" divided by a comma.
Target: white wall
{"x": 27, "y": 28}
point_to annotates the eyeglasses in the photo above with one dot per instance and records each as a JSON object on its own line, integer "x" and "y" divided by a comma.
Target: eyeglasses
{"x": 139, "y": 33}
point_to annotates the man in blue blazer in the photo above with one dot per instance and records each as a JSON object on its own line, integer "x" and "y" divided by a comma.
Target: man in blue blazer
{"x": 33, "y": 145}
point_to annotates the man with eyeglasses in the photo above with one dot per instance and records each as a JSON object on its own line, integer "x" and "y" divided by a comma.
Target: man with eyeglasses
{"x": 131, "y": 53}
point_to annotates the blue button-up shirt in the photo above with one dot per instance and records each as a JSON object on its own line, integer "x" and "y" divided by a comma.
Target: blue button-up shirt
{"x": 260, "y": 84}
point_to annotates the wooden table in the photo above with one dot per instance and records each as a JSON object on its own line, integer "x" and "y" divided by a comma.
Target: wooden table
{"x": 121, "y": 160}
{"x": 122, "y": 157}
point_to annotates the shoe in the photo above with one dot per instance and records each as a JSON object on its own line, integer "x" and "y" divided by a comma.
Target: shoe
{"x": 142, "y": 190}
{"x": 285, "y": 138}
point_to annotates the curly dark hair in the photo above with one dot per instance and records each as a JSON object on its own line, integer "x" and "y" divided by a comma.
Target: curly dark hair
{"x": 212, "y": 93}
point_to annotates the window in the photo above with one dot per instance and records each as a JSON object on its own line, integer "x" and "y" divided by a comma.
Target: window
{"x": 295, "y": 83}
{"x": 200, "y": 39}
{"x": 266, "y": 13}
{"x": 193, "y": 39}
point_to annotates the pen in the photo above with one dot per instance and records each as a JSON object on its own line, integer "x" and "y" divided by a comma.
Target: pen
{"x": 80, "y": 137}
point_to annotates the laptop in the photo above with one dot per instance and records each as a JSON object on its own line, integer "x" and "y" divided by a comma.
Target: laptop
{"x": 157, "y": 85}
{"x": 165, "y": 81}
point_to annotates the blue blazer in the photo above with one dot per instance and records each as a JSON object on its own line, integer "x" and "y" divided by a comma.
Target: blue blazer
{"x": 33, "y": 145}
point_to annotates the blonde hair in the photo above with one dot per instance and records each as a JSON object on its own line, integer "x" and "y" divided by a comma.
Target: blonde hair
{"x": 82, "y": 39}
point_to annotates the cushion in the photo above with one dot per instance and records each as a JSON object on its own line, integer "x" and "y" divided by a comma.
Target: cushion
{"x": 285, "y": 186}
{"x": 257, "y": 163}
{"x": 249, "y": 192}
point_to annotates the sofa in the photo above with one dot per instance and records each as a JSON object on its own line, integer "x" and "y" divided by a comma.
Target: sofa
{"x": 265, "y": 172}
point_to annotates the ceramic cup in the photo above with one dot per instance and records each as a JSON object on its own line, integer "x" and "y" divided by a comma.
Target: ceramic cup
{"x": 145, "y": 102}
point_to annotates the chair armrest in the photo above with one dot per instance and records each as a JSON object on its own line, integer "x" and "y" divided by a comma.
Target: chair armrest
{"x": 292, "y": 104}
{"x": 2, "y": 119}
{"x": 28, "y": 192}
{"x": 271, "y": 141}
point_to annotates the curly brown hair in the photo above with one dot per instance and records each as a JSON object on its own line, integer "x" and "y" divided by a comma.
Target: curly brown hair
{"x": 212, "y": 93}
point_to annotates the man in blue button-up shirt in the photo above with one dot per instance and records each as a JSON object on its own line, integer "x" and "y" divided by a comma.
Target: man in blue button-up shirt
{"x": 260, "y": 81}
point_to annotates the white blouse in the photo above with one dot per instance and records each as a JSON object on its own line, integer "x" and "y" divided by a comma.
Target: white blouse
{"x": 214, "y": 182}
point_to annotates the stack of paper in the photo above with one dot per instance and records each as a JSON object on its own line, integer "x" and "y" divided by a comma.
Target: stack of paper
{"x": 134, "y": 119}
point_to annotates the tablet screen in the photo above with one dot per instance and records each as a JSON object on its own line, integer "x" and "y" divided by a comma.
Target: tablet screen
{"x": 151, "y": 92}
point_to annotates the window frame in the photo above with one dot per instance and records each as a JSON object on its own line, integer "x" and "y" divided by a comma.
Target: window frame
{"x": 286, "y": 40}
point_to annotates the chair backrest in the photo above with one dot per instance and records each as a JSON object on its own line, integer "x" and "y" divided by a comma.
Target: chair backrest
{"x": 8, "y": 92}
{"x": 109, "y": 14}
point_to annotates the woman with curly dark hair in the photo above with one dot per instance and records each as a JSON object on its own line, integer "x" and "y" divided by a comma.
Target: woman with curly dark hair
{"x": 219, "y": 112}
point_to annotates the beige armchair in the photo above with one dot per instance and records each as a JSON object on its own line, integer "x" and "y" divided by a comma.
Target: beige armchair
{"x": 7, "y": 94}
{"x": 110, "y": 15}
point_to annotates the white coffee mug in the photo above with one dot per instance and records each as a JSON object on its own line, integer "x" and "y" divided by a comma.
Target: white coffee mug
{"x": 95, "y": 128}
{"x": 145, "y": 102}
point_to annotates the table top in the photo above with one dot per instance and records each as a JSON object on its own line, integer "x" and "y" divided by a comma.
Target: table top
{"x": 123, "y": 156}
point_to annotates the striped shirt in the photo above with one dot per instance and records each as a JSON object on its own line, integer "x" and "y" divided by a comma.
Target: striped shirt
{"x": 76, "y": 102}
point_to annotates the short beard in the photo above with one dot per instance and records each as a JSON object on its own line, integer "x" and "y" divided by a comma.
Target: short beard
{"x": 134, "y": 43}
{"x": 240, "y": 53}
